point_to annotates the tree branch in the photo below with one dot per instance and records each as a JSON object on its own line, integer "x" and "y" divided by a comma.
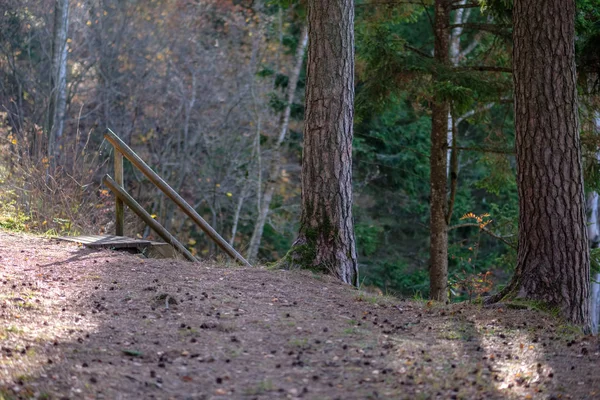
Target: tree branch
{"x": 468, "y": 5}
{"x": 474, "y": 111}
{"x": 463, "y": 54}
{"x": 486, "y": 230}
{"x": 418, "y": 51}
{"x": 390, "y": 3}
{"x": 485, "y": 150}
{"x": 492, "y": 28}
{"x": 484, "y": 68}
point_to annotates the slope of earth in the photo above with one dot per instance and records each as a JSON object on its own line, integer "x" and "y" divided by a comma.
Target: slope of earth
{"x": 81, "y": 324}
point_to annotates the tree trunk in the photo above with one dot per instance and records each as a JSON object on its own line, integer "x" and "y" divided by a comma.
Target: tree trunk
{"x": 593, "y": 225}
{"x": 326, "y": 239}
{"x": 58, "y": 103}
{"x": 461, "y": 16}
{"x": 438, "y": 268}
{"x": 275, "y": 162}
{"x": 594, "y": 239}
{"x": 553, "y": 258}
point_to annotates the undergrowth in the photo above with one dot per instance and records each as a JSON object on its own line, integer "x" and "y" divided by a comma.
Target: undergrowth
{"x": 62, "y": 197}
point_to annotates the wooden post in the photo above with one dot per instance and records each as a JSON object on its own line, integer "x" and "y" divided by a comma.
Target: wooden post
{"x": 119, "y": 209}
{"x": 120, "y": 146}
{"x": 139, "y": 210}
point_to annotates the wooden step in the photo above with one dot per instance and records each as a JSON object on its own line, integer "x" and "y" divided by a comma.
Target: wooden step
{"x": 149, "y": 248}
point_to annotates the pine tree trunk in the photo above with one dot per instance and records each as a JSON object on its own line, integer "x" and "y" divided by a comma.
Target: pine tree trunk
{"x": 553, "y": 256}
{"x": 275, "y": 162}
{"x": 58, "y": 101}
{"x": 326, "y": 239}
{"x": 438, "y": 268}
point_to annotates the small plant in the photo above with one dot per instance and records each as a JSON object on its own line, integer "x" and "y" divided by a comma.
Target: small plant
{"x": 475, "y": 285}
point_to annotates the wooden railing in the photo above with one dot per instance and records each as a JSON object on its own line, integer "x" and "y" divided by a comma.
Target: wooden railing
{"x": 116, "y": 186}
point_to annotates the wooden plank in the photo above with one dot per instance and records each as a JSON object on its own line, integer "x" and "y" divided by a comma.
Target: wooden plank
{"x": 108, "y": 241}
{"x": 143, "y": 214}
{"x": 119, "y": 209}
{"x": 120, "y": 146}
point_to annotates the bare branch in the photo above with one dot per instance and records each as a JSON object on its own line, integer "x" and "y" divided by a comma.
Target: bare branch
{"x": 486, "y": 230}
{"x": 467, "y": 5}
{"x": 492, "y": 28}
{"x": 484, "y": 150}
{"x": 418, "y": 51}
{"x": 484, "y": 68}
{"x": 472, "y": 46}
{"x": 474, "y": 111}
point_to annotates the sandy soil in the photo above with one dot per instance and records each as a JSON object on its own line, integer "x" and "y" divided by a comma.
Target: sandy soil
{"x": 82, "y": 324}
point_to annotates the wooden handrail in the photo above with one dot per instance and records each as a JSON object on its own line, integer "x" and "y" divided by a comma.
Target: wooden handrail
{"x": 126, "y": 151}
{"x": 119, "y": 209}
{"x": 143, "y": 214}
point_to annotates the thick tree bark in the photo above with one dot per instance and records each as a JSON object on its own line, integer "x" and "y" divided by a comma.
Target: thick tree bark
{"x": 553, "y": 256}
{"x": 58, "y": 103}
{"x": 438, "y": 267}
{"x": 326, "y": 239}
{"x": 275, "y": 162}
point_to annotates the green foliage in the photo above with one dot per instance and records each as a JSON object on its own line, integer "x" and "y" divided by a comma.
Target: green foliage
{"x": 276, "y": 103}
{"x": 595, "y": 261}
{"x": 367, "y": 238}
{"x": 499, "y": 175}
{"x": 501, "y": 10}
{"x": 391, "y": 149}
{"x": 265, "y": 72}
{"x": 396, "y": 277}
{"x": 12, "y": 218}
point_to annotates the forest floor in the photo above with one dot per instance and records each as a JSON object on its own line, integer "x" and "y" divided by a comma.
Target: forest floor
{"x": 83, "y": 324}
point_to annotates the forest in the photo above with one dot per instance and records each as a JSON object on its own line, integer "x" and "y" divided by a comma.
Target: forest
{"x": 211, "y": 94}
{"x": 360, "y": 199}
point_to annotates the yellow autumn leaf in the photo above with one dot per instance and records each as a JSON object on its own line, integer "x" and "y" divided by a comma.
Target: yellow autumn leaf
{"x": 229, "y": 194}
{"x": 153, "y": 216}
{"x": 191, "y": 242}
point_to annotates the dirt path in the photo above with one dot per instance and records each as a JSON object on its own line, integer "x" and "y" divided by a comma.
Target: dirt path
{"x": 78, "y": 324}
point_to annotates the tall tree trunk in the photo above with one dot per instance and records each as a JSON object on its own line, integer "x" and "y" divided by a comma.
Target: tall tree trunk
{"x": 461, "y": 15}
{"x": 275, "y": 162}
{"x": 326, "y": 239}
{"x": 58, "y": 103}
{"x": 553, "y": 258}
{"x": 593, "y": 225}
{"x": 594, "y": 238}
{"x": 438, "y": 268}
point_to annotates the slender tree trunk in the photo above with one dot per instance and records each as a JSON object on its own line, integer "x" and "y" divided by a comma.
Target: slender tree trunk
{"x": 326, "y": 239}
{"x": 593, "y": 225}
{"x": 553, "y": 258}
{"x": 438, "y": 268}
{"x": 461, "y": 16}
{"x": 238, "y": 211}
{"x": 594, "y": 238}
{"x": 59, "y": 78}
{"x": 275, "y": 162}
